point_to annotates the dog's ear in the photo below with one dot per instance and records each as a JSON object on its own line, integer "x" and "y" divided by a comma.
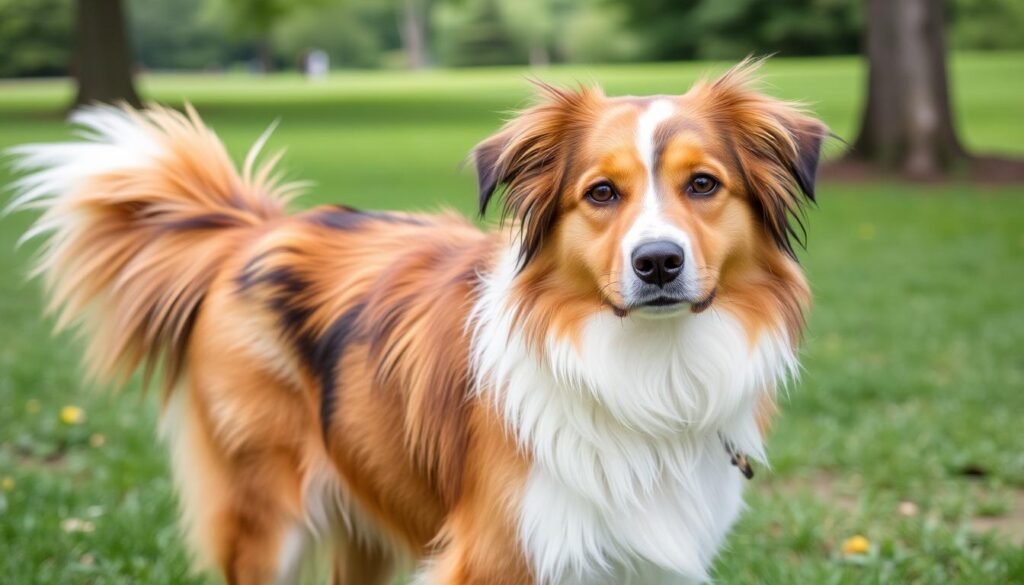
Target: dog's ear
{"x": 485, "y": 158}
{"x": 777, "y": 146}
{"x": 808, "y": 134}
{"x": 528, "y": 161}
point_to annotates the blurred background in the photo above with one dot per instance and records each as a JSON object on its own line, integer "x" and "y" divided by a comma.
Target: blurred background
{"x": 899, "y": 455}
{"x": 36, "y": 37}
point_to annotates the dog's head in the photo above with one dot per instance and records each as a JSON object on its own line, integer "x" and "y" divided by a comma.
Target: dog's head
{"x": 652, "y": 205}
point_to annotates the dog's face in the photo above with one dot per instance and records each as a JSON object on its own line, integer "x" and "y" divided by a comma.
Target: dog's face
{"x": 653, "y": 205}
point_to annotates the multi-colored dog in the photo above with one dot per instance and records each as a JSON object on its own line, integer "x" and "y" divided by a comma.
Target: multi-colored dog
{"x": 565, "y": 400}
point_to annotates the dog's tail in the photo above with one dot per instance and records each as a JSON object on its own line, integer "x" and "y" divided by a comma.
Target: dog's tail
{"x": 138, "y": 217}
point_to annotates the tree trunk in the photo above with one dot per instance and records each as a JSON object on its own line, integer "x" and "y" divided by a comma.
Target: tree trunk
{"x": 413, "y": 30}
{"x": 104, "y": 66}
{"x": 265, "y": 53}
{"x": 908, "y": 123}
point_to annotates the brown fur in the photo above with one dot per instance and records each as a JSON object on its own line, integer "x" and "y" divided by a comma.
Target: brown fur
{"x": 139, "y": 231}
{"x": 764, "y": 151}
{"x": 334, "y": 342}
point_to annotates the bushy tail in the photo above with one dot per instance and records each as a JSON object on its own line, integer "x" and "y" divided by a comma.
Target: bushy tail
{"x": 137, "y": 218}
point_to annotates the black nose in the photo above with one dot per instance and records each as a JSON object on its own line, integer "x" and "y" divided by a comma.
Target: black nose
{"x": 658, "y": 262}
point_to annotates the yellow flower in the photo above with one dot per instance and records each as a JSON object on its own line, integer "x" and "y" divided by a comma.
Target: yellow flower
{"x": 856, "y": 545}
{"x": 72, "y": 415}
{"x": 7, "y": 483}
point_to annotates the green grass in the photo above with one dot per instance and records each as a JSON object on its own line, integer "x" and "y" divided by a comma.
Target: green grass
{"x": 913, "y": 382}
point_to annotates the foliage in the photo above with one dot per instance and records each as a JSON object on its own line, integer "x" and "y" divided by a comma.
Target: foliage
{"x": 254, "y": 16}
{"x": 355, "y": 33}
{"x": 495, "y": 32}
{"x": 35, "y": 37}
{"x": 533, "y": 24}
{"x": 183, "y": 34}
{"x": 598, "y": 33}
{"x": 987, "y": 24}
{"x": 472, "y": 32}
{"x": 717, "y": 29}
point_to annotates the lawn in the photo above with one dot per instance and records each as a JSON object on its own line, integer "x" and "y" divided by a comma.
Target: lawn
{"x": 903, "y": 428}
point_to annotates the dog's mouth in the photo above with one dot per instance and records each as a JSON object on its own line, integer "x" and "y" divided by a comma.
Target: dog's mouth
{"x": 665, "y": 304}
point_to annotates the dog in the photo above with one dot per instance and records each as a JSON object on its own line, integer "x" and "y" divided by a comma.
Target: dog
{"x": 569, "y": 398}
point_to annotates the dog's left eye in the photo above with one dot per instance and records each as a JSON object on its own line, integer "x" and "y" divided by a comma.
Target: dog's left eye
{"x": 602, "y": 194}
{"x": 702, "y": 186}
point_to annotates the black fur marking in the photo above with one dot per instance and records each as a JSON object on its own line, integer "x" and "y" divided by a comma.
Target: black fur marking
{"x": 807, "y": 162}
{"x": 205, "y": 221}
{"x": 325, "y": 360}
{"x": 339, "y": 218}
{"x": 487, "y": 172}
{"x": 321, "y": 355}
{"x": 344, "y": 218}
{"x": 251, "y": 276}
{"x": 286, "y": 286}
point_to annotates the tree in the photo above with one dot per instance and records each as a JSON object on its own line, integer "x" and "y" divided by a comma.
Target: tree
{"x": 35, "y": 37}
{"x": 182, "y": 34}
{"x": 533, "y": 23}
{"x": 473, "y": 33}
{"x": 412, "y": 28}
{"x": 104, "y": 66}
{"x": 732, "y": 29}
{"x": 257, "y": 19}
{"x": 908, "y": 123}
{"x": 354, "y": 33}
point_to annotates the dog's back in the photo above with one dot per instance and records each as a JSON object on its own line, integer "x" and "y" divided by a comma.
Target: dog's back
{"x": 166, "y": 257}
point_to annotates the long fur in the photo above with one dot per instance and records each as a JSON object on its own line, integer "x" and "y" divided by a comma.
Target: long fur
{"x": 499, "y": 408}
{"x": 138, "y": 218}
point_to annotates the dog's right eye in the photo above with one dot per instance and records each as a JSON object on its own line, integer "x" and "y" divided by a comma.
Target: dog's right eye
{"x": 702, "y": 186}
{"x": 602, "y": 194}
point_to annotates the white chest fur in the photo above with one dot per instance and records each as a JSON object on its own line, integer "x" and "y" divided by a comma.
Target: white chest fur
{"x": 630, "y": 481}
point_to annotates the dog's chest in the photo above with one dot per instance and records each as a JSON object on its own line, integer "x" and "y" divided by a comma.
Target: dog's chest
{"x": 630, "y": 481}
{"x": 667, "y": 531}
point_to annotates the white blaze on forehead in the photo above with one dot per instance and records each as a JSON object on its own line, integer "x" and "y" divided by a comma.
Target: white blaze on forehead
{"x": 651, "y": 224}
{"x": 646, "y": 125}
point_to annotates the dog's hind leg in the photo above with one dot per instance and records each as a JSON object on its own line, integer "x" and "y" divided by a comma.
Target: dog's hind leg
{"x": 239, "y": 511}
{"x": 236, "y": 449}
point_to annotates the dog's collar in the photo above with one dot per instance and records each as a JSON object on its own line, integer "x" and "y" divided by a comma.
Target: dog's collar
{"x": 737, "y": 458}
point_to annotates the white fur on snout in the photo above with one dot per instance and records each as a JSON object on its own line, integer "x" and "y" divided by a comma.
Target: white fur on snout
{"x": 651, "y": 225}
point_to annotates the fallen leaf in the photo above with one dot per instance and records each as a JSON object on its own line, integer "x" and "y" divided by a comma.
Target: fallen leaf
{"x": 908, "y": 509}
{"x": 73, "y": 525}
